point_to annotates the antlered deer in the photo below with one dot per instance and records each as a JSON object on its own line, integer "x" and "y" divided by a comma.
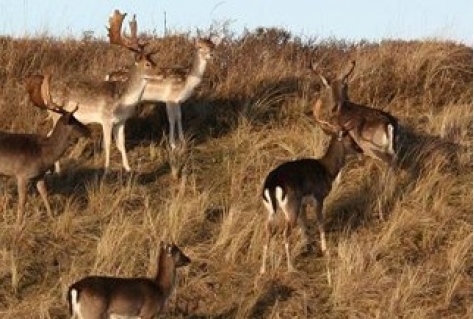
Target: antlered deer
{"x": 29, "y": 156}
{"x": 176, "y": 84}
{"x": 109, "y": 104}
{"x": 374, "y": 131}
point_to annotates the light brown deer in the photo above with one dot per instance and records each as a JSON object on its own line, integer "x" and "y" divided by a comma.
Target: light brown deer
{"x": 28, "y": 157}
{"x": 375, "y": 131}
{"x": 176, "y": 84}
{"x": 98, "y": 297}
{"x": 109, "y": 104}
{"x": 290, "y": 183}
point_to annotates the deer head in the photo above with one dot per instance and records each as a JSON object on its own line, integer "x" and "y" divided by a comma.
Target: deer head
{"x": 333, "y": 93}
{"x": 132, "y": 42}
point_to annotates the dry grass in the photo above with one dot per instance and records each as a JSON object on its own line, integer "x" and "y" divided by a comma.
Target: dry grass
{"x": 248, "y": 116}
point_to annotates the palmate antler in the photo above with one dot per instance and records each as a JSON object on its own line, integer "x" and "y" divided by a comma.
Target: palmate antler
{"x": 48, "y": 101}
{"x": 116, "y": 37}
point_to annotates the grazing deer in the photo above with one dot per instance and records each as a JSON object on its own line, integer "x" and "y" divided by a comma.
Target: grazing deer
{"x": 109, "y": 104}
{"x": 97, "y": 297}
{"x": 176, "y": 85}
{"x": 290, "y": 183}
{"x": 29, "y": 156}
{"x": 374, "y": 131}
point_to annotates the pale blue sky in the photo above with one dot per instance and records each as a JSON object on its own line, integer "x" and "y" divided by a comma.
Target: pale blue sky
{"x": 343, "y": 19}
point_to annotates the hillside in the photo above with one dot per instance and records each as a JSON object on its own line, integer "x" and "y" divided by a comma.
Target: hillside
{"x": 250, "y": 114}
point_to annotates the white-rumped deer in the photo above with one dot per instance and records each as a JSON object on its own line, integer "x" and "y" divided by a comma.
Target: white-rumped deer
{"x": 98, "y": 297}
{"x": 29, "y": 156}
{"x": 109, "y": 104}
{"x": 176, "y": 85}
{"x": 374, "y": 131}
{"x": 291, "y": 182}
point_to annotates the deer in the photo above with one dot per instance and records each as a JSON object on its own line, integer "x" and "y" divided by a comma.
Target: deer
{"x": 105, "y": 103}
{"x": 375, "y": 131}
{"x": 289, "y": 184}
{"x": 176, "y": 84}
{"x": 28, "y": 157}
{"x": 96, "y": 297}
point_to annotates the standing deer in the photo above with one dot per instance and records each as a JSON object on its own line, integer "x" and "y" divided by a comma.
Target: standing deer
{"x": 374, "y": 131}
{"x": 28, "y": 157}
{"x": 97, "y": 297}
{"x": 109, "y": 104}
{"x": 291, "y": 182}
{"x": 176, "y": 85}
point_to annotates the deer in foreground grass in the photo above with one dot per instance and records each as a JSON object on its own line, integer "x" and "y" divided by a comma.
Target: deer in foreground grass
{"x": 291, "y": 182}
{"x": 29, "y": 156}
{"x": 176, "y": 85}
{"x": 375, "y": 131}
{"x": 109, "y": 104}
{"x": 98, "y": 297}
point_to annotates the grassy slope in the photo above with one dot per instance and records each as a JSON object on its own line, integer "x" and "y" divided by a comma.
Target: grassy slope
{"x": 249, "y": 115}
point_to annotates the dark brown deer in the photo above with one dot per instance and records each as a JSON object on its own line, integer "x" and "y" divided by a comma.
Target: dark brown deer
{"x": 98, "y": 297}
{"x": 287, "y": 185}
{"x": 375, "y": 131}
{"x": 28, "y": 157}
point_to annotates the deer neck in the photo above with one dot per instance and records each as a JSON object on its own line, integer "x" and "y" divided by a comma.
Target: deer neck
{"x": 166, "y": 274}
{"x": 197, "y": 72}
{"x": 56, "y": 144}
{"x": 134, "y": 88}
{"x": 334, "y": 158}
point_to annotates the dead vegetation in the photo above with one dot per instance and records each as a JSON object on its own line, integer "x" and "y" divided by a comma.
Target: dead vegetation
{"x": 249, "y": 115}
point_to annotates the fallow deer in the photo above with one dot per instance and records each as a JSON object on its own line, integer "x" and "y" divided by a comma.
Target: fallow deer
{"x": 29, "y": 156}
{"x": 176, "y": 85}
{"x": 291, "y": 182}
{"x": 109, "y": 104}
{"x": 375, "y": 131}
{"x": 98, "y": 297}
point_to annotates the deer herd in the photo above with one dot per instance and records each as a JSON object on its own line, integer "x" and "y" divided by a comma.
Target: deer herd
{"x": 352, "y": 128}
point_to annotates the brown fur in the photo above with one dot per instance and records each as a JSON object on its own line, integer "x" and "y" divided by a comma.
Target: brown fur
{"x": 100, "y": 297}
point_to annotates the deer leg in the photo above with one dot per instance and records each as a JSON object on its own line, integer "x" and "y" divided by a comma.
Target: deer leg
{"x": 269, "y": 230}
{"x": 322, "y": 234}
{"x": 320, "y": 222}
{"x": 41, "y": 186}
{"x": 303, "y": 223}
{"x": 119, "y": 134}
{"x": 22, "y": 186}
{"x": 57, "y": 166}
{"x": 171, "y": 111}
{"x": 107, "y": 131}
{"x": 290, "y": 208}
{"x": 180, "y": 122}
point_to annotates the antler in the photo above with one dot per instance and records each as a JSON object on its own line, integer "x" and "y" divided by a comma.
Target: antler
{"x": 115, "y": 33}
{"x": 344, "y": 78}
{"x": 48, "y": 101}
{"x": 315, "y": 68}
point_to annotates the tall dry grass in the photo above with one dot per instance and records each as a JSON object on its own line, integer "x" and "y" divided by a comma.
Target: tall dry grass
{"x": 249, "y": 115}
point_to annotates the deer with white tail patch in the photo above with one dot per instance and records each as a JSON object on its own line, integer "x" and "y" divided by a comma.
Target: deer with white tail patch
{"x": 100, "y": 297}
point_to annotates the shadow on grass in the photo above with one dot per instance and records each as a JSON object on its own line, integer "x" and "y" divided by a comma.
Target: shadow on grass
{"x": 206, "y": 118}
{"x": 273, "y": 291}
